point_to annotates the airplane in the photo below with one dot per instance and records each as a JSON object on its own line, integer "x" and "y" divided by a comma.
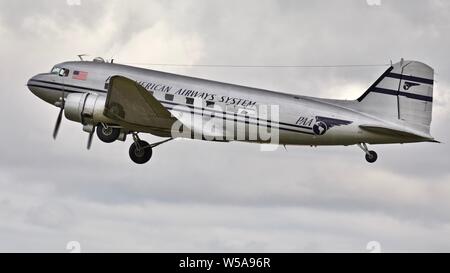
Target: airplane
{"x": 115, "y": 100}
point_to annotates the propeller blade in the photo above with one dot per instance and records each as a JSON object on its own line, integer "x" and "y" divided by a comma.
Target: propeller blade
{"x": 58, "y": 123}
{"x": 63, "y": 99}
{"x": 90, "y": 140}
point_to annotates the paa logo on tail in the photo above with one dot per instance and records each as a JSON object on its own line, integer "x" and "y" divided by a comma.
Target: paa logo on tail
{"x": 407, "y": 85}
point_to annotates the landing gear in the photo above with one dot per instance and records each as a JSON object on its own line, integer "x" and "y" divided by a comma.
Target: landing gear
{"x": 371, "y": 156}
{"x": 141, "y": 151}
{"x": 107, "y": 133}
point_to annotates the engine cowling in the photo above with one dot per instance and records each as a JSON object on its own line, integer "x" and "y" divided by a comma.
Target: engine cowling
{"x": 86, "y": 108}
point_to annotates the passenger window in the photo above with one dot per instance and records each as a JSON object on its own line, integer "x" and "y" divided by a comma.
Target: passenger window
{"x": 189, "y": 100}
{"x": 209, "y": 104}
{"x": 169, "y": 97}
{"x": 247, "y": 112}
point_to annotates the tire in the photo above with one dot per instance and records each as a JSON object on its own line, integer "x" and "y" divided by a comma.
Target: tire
{"x": 108, "y": 134}
{"x": 371, "y": 157}
{"x": 143, "y": 155}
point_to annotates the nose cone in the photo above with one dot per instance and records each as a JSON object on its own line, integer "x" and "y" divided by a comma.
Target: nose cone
{"x": 30, "y": 85}
{"x": 44, "y": 87}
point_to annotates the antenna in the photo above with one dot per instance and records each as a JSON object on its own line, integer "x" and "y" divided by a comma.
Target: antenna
{"x": 257, "y": 66}
{"x": 81, "y": 56}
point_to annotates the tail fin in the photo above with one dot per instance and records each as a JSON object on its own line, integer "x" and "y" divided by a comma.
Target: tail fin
{"x": 404, "y": 93}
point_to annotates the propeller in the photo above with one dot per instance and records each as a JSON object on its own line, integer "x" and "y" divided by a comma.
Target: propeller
{"x": 59, "y": 119}
{"x": 89, "y": 143}
{"x": 58, "y": 123}
{"x": 61, "y": 104}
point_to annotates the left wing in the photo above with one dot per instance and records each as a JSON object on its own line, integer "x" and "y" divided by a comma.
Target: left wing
{"x": 131, "y": 105}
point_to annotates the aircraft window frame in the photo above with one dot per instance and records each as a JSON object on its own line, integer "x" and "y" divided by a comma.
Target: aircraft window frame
{"x": 210, "y": 104}
{"x": 65, "y": 72}
{"x": 55, "y": 70}
{"x": 60, "y": 71}
{"x": 189, "y": 100}
{"x": 248, "y": 112}
{"x": 168, "y": 97}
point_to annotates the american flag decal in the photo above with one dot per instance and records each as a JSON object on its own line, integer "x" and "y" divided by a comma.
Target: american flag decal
{"x": 79, "y": 75}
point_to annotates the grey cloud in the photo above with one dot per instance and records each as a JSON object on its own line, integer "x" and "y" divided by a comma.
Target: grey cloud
{"x": 197, "y": 196}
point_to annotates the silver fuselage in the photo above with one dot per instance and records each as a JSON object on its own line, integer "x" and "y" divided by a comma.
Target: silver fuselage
{"x": 296, "y": 113}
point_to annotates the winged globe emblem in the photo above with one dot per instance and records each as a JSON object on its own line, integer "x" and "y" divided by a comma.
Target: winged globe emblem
{"x": 323, "y": 124}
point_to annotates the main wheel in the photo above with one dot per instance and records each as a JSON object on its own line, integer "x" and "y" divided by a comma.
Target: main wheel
{"x": 108, "y": 134}
{"x": 140, "y": 153}
{"x": 371, "y": 157}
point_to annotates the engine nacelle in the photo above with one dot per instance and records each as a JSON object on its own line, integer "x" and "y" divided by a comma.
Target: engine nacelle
{"x": 86, "y": 108}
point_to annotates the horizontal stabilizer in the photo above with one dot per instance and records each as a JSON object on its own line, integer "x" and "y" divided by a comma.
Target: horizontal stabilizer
{"x": 396, "y": 132}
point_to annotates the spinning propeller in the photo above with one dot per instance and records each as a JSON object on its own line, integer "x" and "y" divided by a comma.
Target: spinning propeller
{"x": 61, "y": 104}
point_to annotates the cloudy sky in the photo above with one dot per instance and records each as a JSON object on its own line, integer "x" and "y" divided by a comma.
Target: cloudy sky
{"x": 197, "y": 196}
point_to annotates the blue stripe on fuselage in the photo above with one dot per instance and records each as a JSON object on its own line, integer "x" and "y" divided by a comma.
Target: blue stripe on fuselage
{"x": 72, "y": 89}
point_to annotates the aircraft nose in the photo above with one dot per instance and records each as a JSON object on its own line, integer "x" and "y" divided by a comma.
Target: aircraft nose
{"x": 43, "y": 88}
{"x": 30, "y": 83}
{"x": 31, "y": 86}
{"x": 34, "y": 86}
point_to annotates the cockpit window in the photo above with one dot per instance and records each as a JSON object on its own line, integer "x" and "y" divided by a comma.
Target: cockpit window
{"x": 63, "y": 72}
{"x": 55, "y": 70}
